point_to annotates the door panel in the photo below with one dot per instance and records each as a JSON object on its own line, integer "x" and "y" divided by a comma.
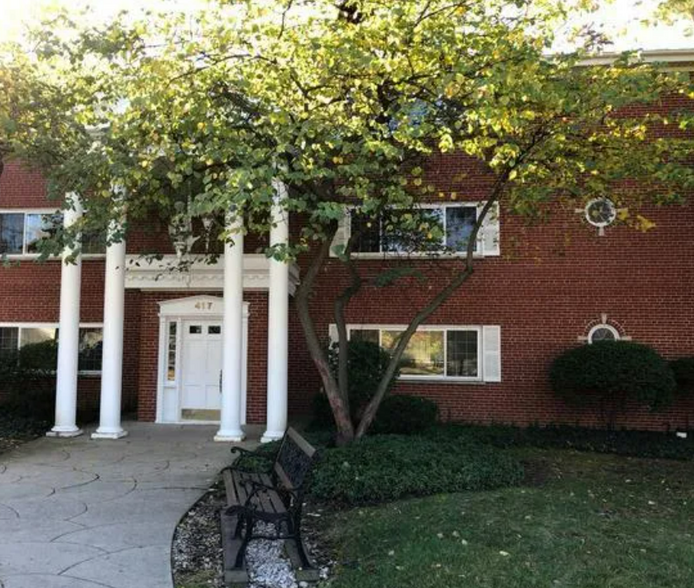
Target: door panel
{"x": 202, "y": 363}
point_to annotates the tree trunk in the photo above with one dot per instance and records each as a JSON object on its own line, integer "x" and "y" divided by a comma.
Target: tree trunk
{"x": 317, "y": 351}
{"x": 372, "y": 407}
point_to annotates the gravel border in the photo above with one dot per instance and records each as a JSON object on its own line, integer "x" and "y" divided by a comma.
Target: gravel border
{"x": 196, "y": 554}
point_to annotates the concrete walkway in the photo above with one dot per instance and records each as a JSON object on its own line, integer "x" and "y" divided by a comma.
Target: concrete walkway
{"x": 77, "y": 513}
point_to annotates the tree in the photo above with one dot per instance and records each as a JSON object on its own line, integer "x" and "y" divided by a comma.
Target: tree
{"x": 342, "y": 101}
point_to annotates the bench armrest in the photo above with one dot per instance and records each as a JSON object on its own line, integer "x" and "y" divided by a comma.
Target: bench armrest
{"x": 258, "y": 487}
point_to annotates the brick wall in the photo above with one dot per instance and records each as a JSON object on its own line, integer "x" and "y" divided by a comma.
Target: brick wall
{"x": 552, "y": 282}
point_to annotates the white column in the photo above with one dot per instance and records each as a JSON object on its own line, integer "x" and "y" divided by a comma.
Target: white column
{"x": 68, "y": 335}
{"x": 232, "y": 374}
{"x": 278, "y": 326}
{"x": 112, "y": 348}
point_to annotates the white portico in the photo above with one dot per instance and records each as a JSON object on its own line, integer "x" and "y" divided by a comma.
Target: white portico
{"x": 202, "y": 338}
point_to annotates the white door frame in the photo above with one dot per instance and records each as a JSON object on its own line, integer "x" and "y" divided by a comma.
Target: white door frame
{"x": 175, "y": 312}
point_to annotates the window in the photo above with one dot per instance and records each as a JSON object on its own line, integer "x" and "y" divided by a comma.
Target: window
{"x": 13, "y": 338}
{"x": 437, "y": 352}
{"x": 603, "y": 332}
{"x": 171, "y": 353}
{"x": 452, "y": 225}
{"x": 400, "y": 231}
{"x": 90, "y": 349}
{"x": 22, "y": 232}
{"x": 600, "y": 212}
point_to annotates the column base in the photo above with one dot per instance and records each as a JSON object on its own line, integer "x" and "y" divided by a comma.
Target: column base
{"x": 229, "y": 436}
{"x": 119, "y": 434}
{"x": 64, "y": 432}
{"x": 270, "y": 436}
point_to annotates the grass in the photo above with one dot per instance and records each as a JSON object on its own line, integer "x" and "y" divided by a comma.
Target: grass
{"x": 594, "y": 521}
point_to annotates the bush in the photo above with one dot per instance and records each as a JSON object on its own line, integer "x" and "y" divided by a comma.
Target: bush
{"x": 650, "y": 444}
{"x": 613, "y": 372}
{"x": 27, "y": 379}
{"x": 683, "y": 370}
{"x": 367, "y": 362}
{"x": 390, "y": 467}
{"x": 404, "y": 415}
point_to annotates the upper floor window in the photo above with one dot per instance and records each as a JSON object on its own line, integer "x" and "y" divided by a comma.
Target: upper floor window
{"x": 432, "y": 229}
{"x": 21, "y": 233}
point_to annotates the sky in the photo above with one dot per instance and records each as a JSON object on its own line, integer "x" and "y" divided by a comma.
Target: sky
{"x": 620, "y": 19}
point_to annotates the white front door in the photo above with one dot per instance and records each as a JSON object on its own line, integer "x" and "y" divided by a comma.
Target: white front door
{"x": 201, "y": 370}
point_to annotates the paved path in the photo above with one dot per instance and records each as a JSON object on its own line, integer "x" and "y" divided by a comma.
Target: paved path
{"x": 77, "y": 513}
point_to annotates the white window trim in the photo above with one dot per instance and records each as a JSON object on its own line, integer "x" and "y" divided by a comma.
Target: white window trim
{"x": 26, "y": 255}
{"x": 478, "y": 253}
{"x": 479, "y": 379}
{"x": 25, "y": 325}
{"x": 607, "y": 326}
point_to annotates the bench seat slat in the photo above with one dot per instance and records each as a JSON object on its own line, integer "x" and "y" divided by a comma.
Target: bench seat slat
{"x": 238, "y": 489}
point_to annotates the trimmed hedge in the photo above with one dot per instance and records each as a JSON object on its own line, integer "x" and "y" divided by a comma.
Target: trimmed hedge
{"x": 613, "y": 372}
{"x": 646, "y": 444}
{"x": 391, "y": 467}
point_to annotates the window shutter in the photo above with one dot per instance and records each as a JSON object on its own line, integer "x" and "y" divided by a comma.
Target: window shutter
{"x": 332, "y": 333}
{"x": 490, "y": 231}
{"x": 342, "y": 234}
{"x": 491, "y": 349}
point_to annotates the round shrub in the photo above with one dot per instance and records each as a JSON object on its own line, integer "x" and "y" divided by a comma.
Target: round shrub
{"x": 683, "y": 370}
{"x": 390, "y": 467}
{"x": 404, "y": 415}
{"x": 614, "y": 372}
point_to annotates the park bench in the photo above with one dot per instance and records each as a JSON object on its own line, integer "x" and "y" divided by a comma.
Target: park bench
{"x": 275, "y": 497}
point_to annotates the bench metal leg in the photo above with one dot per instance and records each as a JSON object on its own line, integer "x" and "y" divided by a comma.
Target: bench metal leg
{"x": 248, "y": 524}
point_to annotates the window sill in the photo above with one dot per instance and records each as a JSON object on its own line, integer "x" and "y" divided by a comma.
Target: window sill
{"x": 393, "y": 255}
{"x": 34, "y": 257}
{"x": 439, "y": 380}
{"x": 89, "y": 374}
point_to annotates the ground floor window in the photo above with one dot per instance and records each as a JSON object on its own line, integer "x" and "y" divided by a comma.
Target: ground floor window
{"x": 439, "y": 352}
{"x": 14, "y": 337}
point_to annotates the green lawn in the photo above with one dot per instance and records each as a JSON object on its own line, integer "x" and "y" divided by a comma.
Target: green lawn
{"x": 598, "y": 521}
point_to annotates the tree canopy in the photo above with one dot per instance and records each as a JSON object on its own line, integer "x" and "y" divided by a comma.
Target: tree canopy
{"x": 342, "y": 101}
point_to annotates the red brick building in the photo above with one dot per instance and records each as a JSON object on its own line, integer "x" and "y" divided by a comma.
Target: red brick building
{"x": 483, "y": 356}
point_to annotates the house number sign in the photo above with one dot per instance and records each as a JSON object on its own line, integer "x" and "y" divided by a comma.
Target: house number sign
{"x": 203, "y": 305}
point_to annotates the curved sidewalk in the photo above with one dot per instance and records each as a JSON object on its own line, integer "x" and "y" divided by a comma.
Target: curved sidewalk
{"x": 77, "y": 513}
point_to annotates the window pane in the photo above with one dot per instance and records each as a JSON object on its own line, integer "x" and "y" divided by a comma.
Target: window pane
{"x": 195, "y": 329}
{"x": 214, "y": 330}
{"x": 9, "y": 338}
{"x": 370, "y": 234}
{"x": 31, "y": 335}
{"x": 423, "y": 355}
{"x": 603, "y": 334}
{"x": 462, "y": 354}
{"x": 93, "y": 242}
{"x": 91, "y": 342}
{"x": 407, "y": 231}
{"x": 171, "y": 351}
{"x": 11, "y": 232}
{"x": 370, "y": 335}
{"x": 41, "y": 226}
{"x": 460, "y": 220}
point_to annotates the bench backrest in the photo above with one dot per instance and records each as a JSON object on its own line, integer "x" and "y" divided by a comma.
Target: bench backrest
{"x": 294, "y": 460}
